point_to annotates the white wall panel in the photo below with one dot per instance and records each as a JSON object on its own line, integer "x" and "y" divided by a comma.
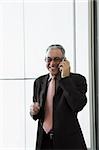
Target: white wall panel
{"x": 11, "y": 40}
{"x": 46, "y": 1}
{"x": 11, "y": 1}
{"x": 45, "y": 24}
{"x": 12, "y": 116}
{"x": 1, "y": 113}
{"x": 31, "y": 125}
{"x": 82, "y": 61}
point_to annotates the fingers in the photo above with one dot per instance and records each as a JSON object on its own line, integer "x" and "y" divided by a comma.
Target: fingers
{"x": 64, "y": 68}
{"x": 64, "y": 64}
{"x": 34, "y": 108}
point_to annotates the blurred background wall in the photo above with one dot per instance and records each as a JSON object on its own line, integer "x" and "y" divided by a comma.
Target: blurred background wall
{"x": 27, "y": 28}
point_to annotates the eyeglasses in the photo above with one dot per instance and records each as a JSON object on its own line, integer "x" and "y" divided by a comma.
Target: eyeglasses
{"x": 55, "y": 59}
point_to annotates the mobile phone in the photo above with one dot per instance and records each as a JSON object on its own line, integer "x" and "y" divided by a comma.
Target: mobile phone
{"x": 64, "y": 59}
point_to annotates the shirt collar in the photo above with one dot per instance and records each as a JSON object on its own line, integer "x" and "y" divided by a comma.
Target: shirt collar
{"x": 58, "y": 77}
{"x": 50, "y": 77}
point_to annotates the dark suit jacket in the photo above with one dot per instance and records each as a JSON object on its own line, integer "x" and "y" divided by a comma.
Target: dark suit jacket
{"x": 70, "y": 98}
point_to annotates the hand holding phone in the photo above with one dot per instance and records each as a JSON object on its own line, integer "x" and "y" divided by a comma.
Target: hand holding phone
{"x": 64, "y": 68}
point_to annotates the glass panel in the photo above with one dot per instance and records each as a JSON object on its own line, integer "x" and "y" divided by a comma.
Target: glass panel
{"x": 48, "y": 24}
{"x": 12, "y": 115}
{"x": 11, "y": 40}
{"x": 45, "y": 24}
{"x": 82, "y": 61}
{"x": 31, "y": 125}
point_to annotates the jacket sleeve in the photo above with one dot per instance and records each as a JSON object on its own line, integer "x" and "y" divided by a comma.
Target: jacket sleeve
{"x": 74, "y": 89}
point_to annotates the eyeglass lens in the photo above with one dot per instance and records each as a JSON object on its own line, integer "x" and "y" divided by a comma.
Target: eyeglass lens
{"x": 55, "y": 59}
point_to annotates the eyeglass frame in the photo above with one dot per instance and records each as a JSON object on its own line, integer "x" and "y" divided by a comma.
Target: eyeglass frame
{"x": 55, "y": 59}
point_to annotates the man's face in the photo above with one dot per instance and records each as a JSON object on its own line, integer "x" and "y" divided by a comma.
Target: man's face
{"x": 53, "y": 59}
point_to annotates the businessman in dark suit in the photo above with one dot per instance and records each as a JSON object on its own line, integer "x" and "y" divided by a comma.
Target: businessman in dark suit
{"x": 57, "y": 98}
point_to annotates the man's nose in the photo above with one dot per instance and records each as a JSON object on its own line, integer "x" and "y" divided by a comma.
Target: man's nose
{"x": 52, "y": 62}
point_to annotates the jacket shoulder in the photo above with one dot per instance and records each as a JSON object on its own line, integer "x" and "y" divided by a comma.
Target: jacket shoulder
{"x": 78, "y": 76}
{"x": 79, "y": 79}
{"x": 40, "y": 78}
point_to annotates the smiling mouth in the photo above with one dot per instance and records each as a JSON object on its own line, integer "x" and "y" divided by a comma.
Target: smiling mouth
{"x": 52, "y": 69}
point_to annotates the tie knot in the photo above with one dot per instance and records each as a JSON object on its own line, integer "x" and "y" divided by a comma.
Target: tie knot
{"x": 52, "y": 77}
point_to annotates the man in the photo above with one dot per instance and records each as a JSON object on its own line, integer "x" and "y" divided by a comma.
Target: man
{"x": 58, "y": 97}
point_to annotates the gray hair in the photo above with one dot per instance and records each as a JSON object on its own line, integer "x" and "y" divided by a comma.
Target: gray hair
{"x": 54, "y": 46}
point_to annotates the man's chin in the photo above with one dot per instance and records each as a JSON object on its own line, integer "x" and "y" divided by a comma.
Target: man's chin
{"x": 54, "y": 72}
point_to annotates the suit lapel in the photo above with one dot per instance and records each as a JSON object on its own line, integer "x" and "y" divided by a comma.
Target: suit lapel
{"x": 57, "y": 82}
{"x": 43, "y": 89}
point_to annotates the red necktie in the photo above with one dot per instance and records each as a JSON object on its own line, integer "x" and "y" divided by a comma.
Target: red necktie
{"x": 48, "y": 120}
